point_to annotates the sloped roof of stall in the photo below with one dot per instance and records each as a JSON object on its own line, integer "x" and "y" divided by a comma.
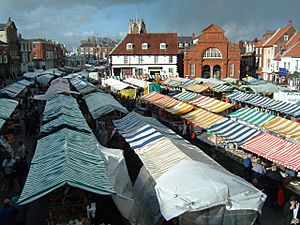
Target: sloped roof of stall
{"x": 66, "y": 157}
{"x": 100, "y": 104}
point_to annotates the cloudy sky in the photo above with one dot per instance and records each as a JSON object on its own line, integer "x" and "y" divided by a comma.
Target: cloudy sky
{"x": 69, "y": 21}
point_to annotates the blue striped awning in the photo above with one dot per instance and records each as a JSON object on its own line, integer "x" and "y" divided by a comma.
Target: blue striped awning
{"x": 240, "y": 96}
{"x": 66, "y": 157}
{"x": 13, "y": 90}
{"x": 100, "y": 104}
{"x": 186, "y": 96}
{"x": 233, "y": 131}
{"x": 260, "y": 101}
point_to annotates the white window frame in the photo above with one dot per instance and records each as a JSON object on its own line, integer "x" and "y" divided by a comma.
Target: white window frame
{"x": 126, "y": 59}
{"x": 171, "y": 70}
{"x": 286, "y": 37}
{"x": 129, "y": 46}
{"x": 180, "y": 45}
{"x": 155, "y": 59}
{"x": 145, "y": 46}
{"x": 140, "y": 59}
{"x": 212, "y": 53}
{"x": 162, "y": 46}
{"x": 171, "y": 59}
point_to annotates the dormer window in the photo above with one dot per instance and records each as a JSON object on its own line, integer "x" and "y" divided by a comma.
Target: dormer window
{"x": 145, "y": 46}
{"x": 180, "y": 45}
{"x": 286, "y": 37}
{"x": 163, "y": 46}
{"x": 129, "y": 46}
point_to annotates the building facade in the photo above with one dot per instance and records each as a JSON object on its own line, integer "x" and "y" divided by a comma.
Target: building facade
{"x": 145, "y": 54}
{"x": 25, "y": 51}
{"x": 8, "y": 34}
{"x": 212, "y": 56}
{"x": 4, "y": 67}
{"x": 272, "y": 47}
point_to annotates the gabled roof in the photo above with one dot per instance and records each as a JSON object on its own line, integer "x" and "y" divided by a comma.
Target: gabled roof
{"x": 293, "y": 51}
{"x": 152, "y": 39}
{"x": 185, "y": 39}
{"x": 213, "y": 28}
{"x": 278, "y": 56}
{"x": 261, "y": 42}
{"x": 275, "y": 37}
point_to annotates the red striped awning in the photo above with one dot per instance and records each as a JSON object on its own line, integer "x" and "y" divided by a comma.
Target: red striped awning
{"x": 153, "y": 96}
{"x": 275, "y": 149}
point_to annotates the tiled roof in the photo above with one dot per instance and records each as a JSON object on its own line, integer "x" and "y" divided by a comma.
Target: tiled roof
{"x": 278, "y": 56}
{"x": 275, "y": 37}
{"x": 260, "y": 42}
{"x": 152, "y": 39}
{"x": 293, "y": 51}
{"x": 293, "y": 40}
{"x": 185, "y": 39}
{"x": 87, "y": 45}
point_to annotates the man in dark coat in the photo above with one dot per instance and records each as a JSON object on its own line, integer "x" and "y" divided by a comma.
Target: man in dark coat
{"x": 291, "y": 212}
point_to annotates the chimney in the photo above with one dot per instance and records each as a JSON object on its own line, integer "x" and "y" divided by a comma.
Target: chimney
{"x": 289, "y": 23}
{"x": 193, "y": 35}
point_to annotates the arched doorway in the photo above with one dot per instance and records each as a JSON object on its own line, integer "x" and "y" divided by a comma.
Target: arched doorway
{"x": 205, "y": 71}
{"x": 217, "y": 72}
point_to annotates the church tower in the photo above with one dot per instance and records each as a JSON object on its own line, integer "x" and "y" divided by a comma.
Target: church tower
{"x": 136, "y": 26}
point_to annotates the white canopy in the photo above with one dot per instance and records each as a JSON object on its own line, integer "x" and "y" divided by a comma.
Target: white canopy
{"x": 116, "y": 84}
{"x": 136, "y": 82}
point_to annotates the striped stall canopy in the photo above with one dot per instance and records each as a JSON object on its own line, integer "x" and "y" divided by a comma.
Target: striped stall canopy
{"x": 222, "y": 88}
{"x": 58, "y": 101}
{"x": 137, "y": 82}
{"x": 211, "y": 104}
{"x": 153, "y": 96}
{"x": 83, "y": 87}
{"x": 284, "y": 127}
{"x": 202, "y": 118}
{"x": 115, "y": 84}
{"x": 100, "y": 104}
{"x": 252, "y": 116}
{"x": 197, "y": 88}
{"x": 233, "y": 131}
{"x": 13, "y": 90}
{"x": 57, "y": 111}
{"x": 66, "y": 157}
{"x": 288, "y": 108}
{"x": 166, "y": 102}
{"x": 7, "y": 106}
{"x": 185, "y": 96}
{"x": 25, "y": 82}
{"x": 240, "y": 96}
{"x": 260, "y": 101}
{"x": 275, "y": 149}
{"x": 180, "y": 108}
{"x": 69, "y": 121}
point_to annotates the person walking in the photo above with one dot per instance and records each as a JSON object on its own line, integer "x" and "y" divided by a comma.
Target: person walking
{"x": 247, "y": 165}
{"x": 8, "y": 168}
{"x": 291, "y": 212}
{"x": 259, "y": 171}
{"x": 21, "y": 215}
{"x": 21, "y": 150}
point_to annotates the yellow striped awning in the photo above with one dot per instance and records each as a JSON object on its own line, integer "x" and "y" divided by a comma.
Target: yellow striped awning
{"x": 166, "y": 102}
{"x": 153, "y": 96}
{"x": 180, "y": 108}
{"x": 203, "y": 118}
{"x": 284, "y": 127}
{"x": 197, "y": 88}
{"x": 211, "y": 104}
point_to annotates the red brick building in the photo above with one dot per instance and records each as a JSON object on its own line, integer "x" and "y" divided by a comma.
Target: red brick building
{"x": 212, "y": 56}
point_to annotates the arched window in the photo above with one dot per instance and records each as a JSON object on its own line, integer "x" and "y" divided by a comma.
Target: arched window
{"x": 212, "y": 53}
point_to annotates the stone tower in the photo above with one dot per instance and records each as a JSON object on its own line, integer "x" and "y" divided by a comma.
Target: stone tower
{"x": 136, "y": 26}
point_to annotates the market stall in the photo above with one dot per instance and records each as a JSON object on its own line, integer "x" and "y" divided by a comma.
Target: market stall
{"x": 175, "y": 181}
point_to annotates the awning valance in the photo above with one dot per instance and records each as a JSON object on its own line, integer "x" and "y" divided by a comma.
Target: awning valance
{"x": 275, "y": 149}
{"x": 180, "y": 108}
{"x": 197, "y": 88}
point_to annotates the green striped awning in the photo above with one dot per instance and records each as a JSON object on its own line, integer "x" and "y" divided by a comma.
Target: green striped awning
{"x": 66, "y": 157}
{"x": 100, "y": 104}
{"x": 68, "y": 121}
{"x": 7, "y": 106}
{"x": 252, "y": 116}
